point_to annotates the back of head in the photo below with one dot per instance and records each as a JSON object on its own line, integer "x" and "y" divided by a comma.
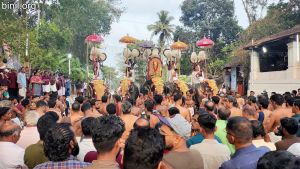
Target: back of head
{"x": 76, "y": 106}
{"x": 215, "y": 99}
{"x": 3, "y": 111}
{"x": 209, "y": 105}
{"x": 93, "y": 102}
{"x": 126, "y": 107}
{"x": 207, "y": 121}
{"x": 249, "y": 111}
{"x": 52, "y": 103}
{"x": 104, "y": 99}
{"x": 252, "y": 99}
{"x": 241, "y": 129}
{"x": 289, "y": 100}
{"x": 31, "y": 118}
{"x": 173, "y": 111}
{"x": 117, "y": 97}
{"x": 257, "y": 128}
{"x": 106, "y": 131}
{"x": 79, "y": 99}
{"x": 41, "y": 103}
{"x": 86, "y": 106}
{"x": 290, "y": 125}
{"x": 232, "y": 100}
{"x": 57, "y": 142}
{"x": 223, "y": 113}
{"x": 149, "y": 105}
{"x": 25, "y": 102}
{"x": 277, "y": 99}
{"x": 276, "y": 160}
{"x": 45, "y": 122}
{"x": 263, "y": 102}
{"x": 177, "y": 97}
{"x": 86, "y": 124}
{"x": 10, "y": 132}
{"x": 111, "y": 109}
{"x": 297, "y": 102}
{"x": 141, "y": 123}
{"x": 158, "y": 98}
{"x": 143, "y": 149}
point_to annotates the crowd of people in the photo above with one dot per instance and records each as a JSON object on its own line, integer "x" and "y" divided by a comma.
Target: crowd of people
{"x": 14, "y": 84}
{"x": 155, "y": 131}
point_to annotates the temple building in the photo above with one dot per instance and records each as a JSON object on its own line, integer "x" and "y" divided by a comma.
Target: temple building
{"x": 275, "y": 62}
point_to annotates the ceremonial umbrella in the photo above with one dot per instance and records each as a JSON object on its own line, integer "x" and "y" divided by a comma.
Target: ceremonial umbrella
{"x": 146, "y": 44}
{"x": 93, "y": 39}
{"x": 205, "y": 43}
{"x": 179, "y": 46}
{"x": 127, "y": 39}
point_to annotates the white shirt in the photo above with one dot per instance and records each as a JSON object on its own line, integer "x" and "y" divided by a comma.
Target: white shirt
{"x": 29, "y": 135}
{"x": 213, "y": 153}
{"x": 11, "y": 156}
{"x": 295, "y": 149}
{"x": 261, "y": 143}
{"x": 85, "y": 146}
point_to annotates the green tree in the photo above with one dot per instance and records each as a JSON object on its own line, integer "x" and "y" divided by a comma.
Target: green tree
{"x": 163, "y": 28}
{"x": 214, "y": 18}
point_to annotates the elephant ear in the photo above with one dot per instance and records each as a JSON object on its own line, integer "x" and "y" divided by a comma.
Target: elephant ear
{"x": 135, "y": 53}
{"x": 102, "y": 57}
{"x": 126, "y": 53}
{"x": 168, "y": 54}
{"x": 147, "y": 52}
{"x": 155, "y": 52}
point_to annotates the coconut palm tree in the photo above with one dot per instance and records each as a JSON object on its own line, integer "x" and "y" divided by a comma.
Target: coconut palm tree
{"x": 162, "y": 27}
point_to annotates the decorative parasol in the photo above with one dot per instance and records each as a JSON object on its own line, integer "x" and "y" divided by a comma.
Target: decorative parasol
{"x": 179, "y": 46}
{"x": 127, "y": 39}
{"x": 94, "y": 38}
{"x": 205, "y": 43}
{"x": 146, "y": 44}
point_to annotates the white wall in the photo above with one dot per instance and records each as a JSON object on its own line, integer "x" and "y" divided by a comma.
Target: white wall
{"x": 277, "y": 81}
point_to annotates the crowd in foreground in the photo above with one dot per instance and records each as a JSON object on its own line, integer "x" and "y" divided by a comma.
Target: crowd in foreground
{"x": 173, "y": 131}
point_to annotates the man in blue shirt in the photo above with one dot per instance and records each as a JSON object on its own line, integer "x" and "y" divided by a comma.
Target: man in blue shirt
{"x": 239, "y": 133}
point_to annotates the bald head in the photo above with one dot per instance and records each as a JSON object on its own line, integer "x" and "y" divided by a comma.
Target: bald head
{"x": 141, "y": 123}
{"x": 10, "y": 132}
{"x": 223, "y": 113}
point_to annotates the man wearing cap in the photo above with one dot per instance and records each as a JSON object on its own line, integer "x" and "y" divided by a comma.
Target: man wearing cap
{"x": 11, "y": 154}
{"x": 179, "y": 156}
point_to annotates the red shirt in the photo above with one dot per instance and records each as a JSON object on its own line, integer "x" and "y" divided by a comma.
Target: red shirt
{"x": 12, "y": 77}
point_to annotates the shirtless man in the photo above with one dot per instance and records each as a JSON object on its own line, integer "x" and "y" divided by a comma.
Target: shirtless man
{"x": 149, "y": 105}
{"x": 128, "y": 118}
{"x": 88, "y": 111}
{"x": 52, "y": 103}
{"x": 41, "y": 107}
{"x": 263, "y": 106}
{"x": 94, "y": 105}
{"x": 231, "y": 104}
{"x": 159, "y": 107}
{"x": 279, "y": 111}
{"x": 103, "y": 105}
{"x": 76, "y": 116}
{"x": 136, "y": 111}
{"x": 183, "y": 111}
